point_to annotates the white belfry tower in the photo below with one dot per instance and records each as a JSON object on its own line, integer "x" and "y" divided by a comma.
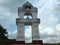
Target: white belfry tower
{"x": 27, "y": 16}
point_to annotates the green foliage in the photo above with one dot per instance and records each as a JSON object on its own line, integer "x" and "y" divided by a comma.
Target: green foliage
{"x": 3, "y": 33}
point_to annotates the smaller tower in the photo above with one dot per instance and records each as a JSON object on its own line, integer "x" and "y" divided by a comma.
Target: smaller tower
{"x": 27, "y": 16}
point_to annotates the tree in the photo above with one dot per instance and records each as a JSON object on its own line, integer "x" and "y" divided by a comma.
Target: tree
{"x": 3, "y": 34}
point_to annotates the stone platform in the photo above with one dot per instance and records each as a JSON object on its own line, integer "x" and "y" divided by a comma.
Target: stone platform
{"x": 34, "y": 42}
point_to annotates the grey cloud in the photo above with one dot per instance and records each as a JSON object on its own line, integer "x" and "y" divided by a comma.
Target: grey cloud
{"x": 47, "y": 35}
{"x": 50, "y": 40}
{"x": 13, "y": 4}
{"x": 9, "y": 11}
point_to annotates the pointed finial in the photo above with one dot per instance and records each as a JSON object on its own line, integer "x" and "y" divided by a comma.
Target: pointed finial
{"x": 27, "y": 3}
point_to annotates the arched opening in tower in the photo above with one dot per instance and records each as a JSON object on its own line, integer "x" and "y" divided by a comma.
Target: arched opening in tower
{"x": 28, "y": 16}
{"x": 28, "y": 34}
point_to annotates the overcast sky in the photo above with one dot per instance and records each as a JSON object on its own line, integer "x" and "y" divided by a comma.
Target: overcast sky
{"x": 48, "y": 12}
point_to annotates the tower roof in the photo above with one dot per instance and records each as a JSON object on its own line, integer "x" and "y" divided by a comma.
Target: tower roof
{"x": 27, "y": 4}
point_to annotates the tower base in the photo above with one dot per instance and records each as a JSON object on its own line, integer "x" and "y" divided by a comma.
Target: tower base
{"x": 34, "y": 42}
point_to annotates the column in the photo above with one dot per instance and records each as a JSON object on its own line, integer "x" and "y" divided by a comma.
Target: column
{"x": 35, "y": 32}
{"x": 20, "y": 32}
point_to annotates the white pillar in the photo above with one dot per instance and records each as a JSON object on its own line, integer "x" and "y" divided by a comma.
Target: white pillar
{"x": 35, "y": 32}
{"x": 20, "y": 32}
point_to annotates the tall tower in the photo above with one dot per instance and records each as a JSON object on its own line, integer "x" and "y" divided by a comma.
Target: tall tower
{"x": 27, "y": 16}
